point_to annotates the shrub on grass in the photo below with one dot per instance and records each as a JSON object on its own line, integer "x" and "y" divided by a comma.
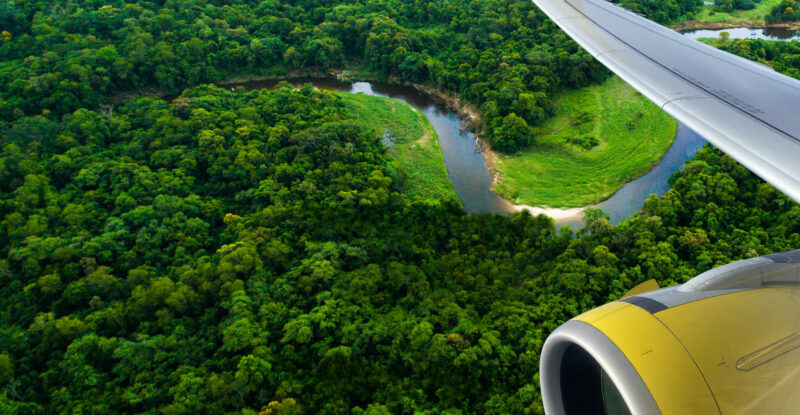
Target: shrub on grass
{"x": 585, "y": 142}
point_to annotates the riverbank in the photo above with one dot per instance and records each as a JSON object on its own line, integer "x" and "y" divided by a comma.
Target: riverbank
{"x": 411, "y": 142}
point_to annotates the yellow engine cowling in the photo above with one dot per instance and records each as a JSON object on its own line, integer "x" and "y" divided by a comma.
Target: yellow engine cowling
{"x": 723, "y": 343}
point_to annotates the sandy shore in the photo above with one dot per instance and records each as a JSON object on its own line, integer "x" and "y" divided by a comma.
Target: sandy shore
{"x": 555, "y": 213}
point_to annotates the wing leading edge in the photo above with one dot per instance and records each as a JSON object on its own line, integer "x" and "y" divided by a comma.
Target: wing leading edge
{"x": 747, "y": 110}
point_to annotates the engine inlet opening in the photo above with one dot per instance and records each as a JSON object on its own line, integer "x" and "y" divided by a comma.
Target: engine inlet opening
{"x": 586, "y": 388}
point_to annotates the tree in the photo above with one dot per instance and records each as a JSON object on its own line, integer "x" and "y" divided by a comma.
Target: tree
{"x": 512, "y": 134}
{"x": 287, "y": 406}
{"x": 292, "y": 57}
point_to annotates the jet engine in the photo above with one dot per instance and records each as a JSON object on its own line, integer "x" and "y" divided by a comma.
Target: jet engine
{"x": 722, "y": 343}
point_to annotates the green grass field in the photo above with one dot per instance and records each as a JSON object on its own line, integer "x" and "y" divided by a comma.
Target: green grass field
{"x": 632, "y": 134}
{"x": 748, "y": 18}
{"x": 415, "y": 146}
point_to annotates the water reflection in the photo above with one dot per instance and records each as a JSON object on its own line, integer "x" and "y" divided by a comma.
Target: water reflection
{"x": 770, "y": 33}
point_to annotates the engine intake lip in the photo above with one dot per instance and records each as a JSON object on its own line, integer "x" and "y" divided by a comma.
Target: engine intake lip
{"x": 630, "y": 385}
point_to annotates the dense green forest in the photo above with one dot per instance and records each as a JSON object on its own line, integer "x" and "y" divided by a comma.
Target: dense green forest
{"x": 242, "y": 252}
{"x": 258, "y": 253}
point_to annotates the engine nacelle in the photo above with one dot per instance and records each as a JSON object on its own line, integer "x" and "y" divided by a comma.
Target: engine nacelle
{"x": 722, "y": 343}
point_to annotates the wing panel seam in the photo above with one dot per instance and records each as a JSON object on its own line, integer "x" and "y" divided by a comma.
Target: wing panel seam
{"x": 702, "y": 375}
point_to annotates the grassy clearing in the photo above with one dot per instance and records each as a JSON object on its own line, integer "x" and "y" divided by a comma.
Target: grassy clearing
{"x": 747, "y": 18}
{"x": 415, "y": 146}
{"x": 632, "y": 135}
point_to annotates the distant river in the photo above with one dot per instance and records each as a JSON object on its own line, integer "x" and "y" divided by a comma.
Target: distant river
{"x": 466, "y": 165}
{"x": 770, "y": 33}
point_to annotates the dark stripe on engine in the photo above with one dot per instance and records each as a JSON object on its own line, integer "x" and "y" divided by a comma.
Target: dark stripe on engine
{"x": 646, "y": 304}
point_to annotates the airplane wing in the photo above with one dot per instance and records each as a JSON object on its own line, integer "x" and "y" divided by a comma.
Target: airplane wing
{"x": 746, "y": 109}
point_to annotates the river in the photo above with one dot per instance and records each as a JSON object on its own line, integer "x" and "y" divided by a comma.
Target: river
{"x": 466, "y": 165}
{"x": 770, "y": 33}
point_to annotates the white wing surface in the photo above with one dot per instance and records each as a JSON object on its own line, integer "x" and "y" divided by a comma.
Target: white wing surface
{"x": 746, "y": 109}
